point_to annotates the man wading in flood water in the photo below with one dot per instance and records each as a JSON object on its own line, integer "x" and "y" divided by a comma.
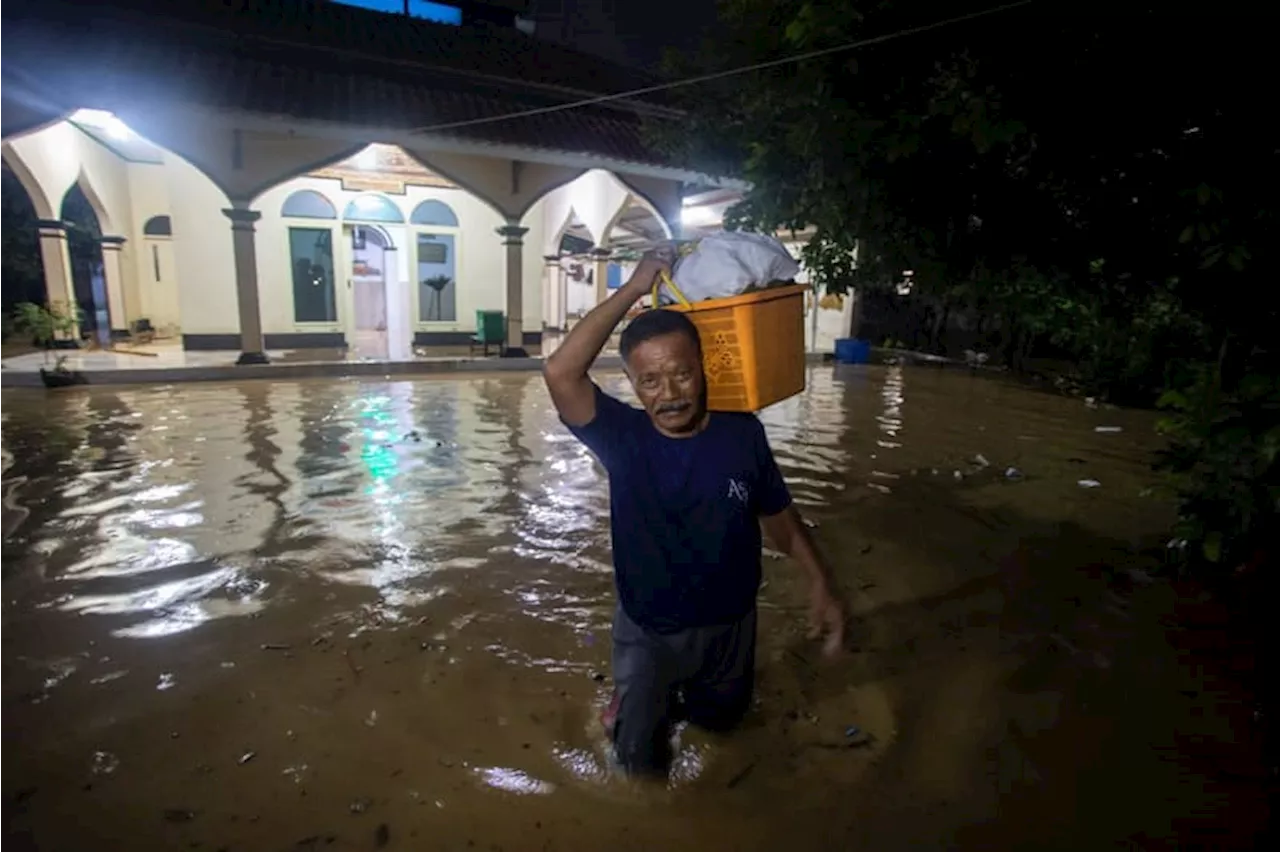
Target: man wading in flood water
{"x": 689, "y": 490}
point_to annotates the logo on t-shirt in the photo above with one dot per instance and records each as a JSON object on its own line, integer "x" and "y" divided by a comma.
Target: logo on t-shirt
{"x": 738, "y": 491}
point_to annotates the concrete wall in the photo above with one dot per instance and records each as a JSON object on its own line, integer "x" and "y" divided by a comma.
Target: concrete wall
{"x": 155, "y": 285}
{"x": 480, "y": 265}
{"x": 202, "y": 251}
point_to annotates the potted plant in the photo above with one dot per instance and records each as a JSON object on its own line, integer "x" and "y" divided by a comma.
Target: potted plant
{"x": 45, "y": 325}
{"x": 437, "y": 283}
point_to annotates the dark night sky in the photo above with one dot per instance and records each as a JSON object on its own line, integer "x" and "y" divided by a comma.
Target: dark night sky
{"x": 630, "y": 31}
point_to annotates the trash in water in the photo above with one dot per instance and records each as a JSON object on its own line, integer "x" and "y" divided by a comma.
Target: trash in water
{"x": 1108, "y": 428}
{"x": 372, "y": 719}
{"x": 104, "y": 763}
{"x": 1013, "y": 473}
{"x": 1089, "y": 483}
{"x": 275, "y": 646}
{"x": 246, "y": 757}
{"x": 981, "y": 460}
{"x": 852, "y": 731}
{"x": 958, "y": 475}
{"x": 360, "y": 805}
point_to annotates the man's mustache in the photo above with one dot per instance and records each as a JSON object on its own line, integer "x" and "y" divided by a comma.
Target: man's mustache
{"x": 672, "y": 407}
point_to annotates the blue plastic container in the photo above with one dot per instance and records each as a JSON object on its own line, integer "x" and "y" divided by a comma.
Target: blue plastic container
{"x": 851, "y": 350}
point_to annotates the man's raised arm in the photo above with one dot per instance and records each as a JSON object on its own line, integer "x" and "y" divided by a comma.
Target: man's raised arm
{"x": 566, "y": 370}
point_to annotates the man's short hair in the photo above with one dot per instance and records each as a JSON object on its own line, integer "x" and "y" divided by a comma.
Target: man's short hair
{"x": 656, "y": 323}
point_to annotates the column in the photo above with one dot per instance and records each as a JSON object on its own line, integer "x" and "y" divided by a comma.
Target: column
{"x": 252, "y": 350}
{"x": 513, "y": 239}
{"x": 601, "y": 256}
{"x": 58, "y": 284}
{"x": 111, "y": 248}
{"x": 553, "y": 309}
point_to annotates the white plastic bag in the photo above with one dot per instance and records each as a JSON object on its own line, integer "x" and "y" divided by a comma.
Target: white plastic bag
{"x": 729, "y": 262}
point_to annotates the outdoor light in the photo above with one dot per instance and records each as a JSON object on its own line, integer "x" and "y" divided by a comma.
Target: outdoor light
{"x": 695, "y": 217}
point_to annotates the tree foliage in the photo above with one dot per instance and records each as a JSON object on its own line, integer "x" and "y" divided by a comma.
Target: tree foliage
{"x": 1097, "y": 177}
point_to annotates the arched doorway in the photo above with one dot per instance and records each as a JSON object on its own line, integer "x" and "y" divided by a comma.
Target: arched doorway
{"x": 633, "y": 231}
{"x": 370, "y": 274}
{"x": 374, "y": 275}
{"x": 23, "y": 268}
{"x": 89, "y": 280}
{"x": 575, "y": 249}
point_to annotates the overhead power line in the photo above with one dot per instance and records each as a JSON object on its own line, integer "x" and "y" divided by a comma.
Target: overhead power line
{"x": 720, "y": 75}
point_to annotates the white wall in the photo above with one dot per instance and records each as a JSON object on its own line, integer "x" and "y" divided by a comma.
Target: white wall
{"x": 157, "y": 299}
{"x": 202, "y": 251}
{"x": 822, "y": 326}
{"x": 480, "y": 263}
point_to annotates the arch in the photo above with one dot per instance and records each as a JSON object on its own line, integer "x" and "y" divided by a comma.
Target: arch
{"x": 383, "y": 234}
{"x": 571, "y": 220}
{"x": 372, "y": 207}
{"x": 644, "y": 200}
{"x": 308, "y": 204}
{"x": 95, "y": 201}
{"x": 158, "y": 226}
{"x": 433, "y": 212}
{"x": 632, "y": 200}
{"x": 39, "y": 200}
{"x": 461, "y": 184}
{"x": 551, "y": 189}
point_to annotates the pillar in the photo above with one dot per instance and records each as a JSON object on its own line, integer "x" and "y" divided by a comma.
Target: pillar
{"x": 513, "y": 239}
{"x": 252, "y": 350}
{"x": 553, "y": 300}
{"x": 59, "y": 286}
{"x": 111, "y": 248}
{"x": 601, "y": 256}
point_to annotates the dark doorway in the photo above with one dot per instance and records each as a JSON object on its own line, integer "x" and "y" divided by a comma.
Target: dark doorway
{"x": 84, "y": 242}
{"x": 23, "y": 269}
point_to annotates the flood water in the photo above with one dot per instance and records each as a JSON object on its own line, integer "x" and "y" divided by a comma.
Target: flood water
{"x": 363, "y": 614}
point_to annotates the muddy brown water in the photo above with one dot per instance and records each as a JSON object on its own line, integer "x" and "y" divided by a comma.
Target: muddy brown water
{"x": 363, "y": 614}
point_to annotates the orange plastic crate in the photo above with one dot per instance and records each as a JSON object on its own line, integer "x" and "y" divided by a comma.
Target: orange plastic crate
{"x": 752, "y": 346}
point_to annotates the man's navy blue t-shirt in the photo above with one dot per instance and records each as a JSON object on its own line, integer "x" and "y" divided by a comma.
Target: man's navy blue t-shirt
{"x": 684, "y": 512}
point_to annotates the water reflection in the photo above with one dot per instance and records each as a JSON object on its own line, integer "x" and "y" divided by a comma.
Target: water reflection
{"x": 426, "y": 564}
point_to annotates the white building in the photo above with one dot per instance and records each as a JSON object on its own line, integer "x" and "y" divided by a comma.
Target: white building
{"x": 283, "y": 174}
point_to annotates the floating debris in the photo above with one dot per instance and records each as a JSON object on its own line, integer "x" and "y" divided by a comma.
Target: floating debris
{"x": 360, "y": 805}
{"x": 372, "y": 719}
{"x": 981, "y": 460}
{"x": 275, "y": 646}
{"x": 104, "y": 763}
{"x": 852, "y": 731}
{"x": 246, "y": 757}
{"x": 1089, "y": 483}
{"x": 1108, "y": 428}
{"x": 1013, "y": 473}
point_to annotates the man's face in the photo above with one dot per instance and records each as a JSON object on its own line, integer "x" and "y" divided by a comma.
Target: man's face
{"x": 666, "y": 372}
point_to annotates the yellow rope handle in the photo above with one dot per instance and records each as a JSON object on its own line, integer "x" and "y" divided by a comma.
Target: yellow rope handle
{"x": 665, "y": 278}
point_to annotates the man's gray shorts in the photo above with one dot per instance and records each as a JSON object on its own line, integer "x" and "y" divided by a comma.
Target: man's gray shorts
{"x": 704, "y": 675}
